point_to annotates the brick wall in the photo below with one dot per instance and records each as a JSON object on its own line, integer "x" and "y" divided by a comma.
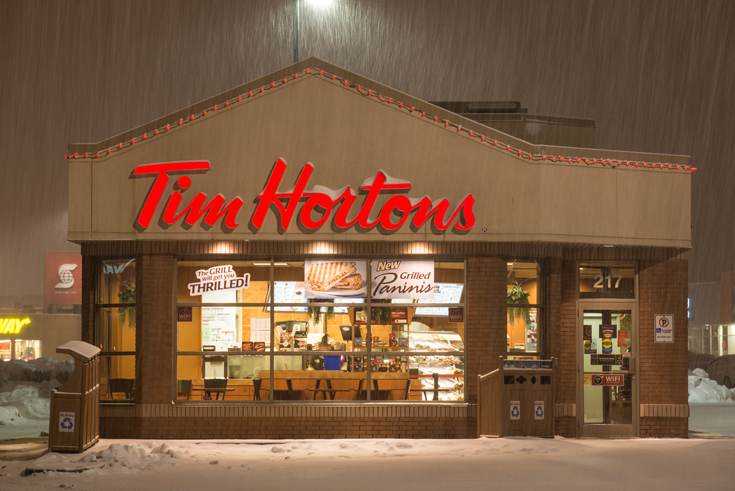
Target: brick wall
{"x": 274, "y": 422}
{"x": 662, "y": 371}
{"x": 564, "y": 335}
{"x": 89, "y": 268}
{"x": 154, "y": 340}
{"x": 486, "y": 319}
{"x": 663, "y": 367}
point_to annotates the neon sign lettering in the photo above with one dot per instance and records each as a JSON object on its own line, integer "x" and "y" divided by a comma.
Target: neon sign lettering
{"x": 12, "y": 326}
{"x": 325, "y": 202}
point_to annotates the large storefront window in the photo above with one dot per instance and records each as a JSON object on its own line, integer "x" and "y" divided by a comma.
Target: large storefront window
{"x": 115, "y": 328}
{"x": 320, "y": 330}
{"x": 525, "y": 332}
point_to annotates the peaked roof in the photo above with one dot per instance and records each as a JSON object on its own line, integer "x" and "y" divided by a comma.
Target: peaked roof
{"x": 382, "y": 93}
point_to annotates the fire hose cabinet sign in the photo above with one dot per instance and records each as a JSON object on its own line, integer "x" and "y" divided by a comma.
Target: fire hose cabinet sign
{"x": 66, "y": 422}
{"x": 663, "y": 325}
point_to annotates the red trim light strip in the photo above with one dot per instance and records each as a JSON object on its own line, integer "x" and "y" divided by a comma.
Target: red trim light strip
{"x": 517, "y": 152}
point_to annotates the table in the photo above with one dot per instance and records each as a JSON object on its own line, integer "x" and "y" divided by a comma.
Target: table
{"x": 218, "y": 390}
{"x": 329, "y": 376}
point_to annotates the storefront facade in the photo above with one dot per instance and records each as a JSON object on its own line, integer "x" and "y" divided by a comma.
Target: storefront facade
{"x": 287, "y": 237}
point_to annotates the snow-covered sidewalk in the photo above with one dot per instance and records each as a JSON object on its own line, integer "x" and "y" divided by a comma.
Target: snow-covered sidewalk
{"x": 511, "y": 463}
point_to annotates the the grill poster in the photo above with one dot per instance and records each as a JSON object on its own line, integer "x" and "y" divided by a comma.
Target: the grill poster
{"x": 396, "y": 278}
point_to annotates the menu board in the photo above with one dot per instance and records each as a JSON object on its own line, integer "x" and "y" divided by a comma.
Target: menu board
{"x": 289, "y": 292}
{"x": 343, "y": 310}
{"x": 443, "y": 293}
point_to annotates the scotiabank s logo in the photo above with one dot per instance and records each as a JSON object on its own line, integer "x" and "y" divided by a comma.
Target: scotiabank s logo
{"x": 319, "y": 204}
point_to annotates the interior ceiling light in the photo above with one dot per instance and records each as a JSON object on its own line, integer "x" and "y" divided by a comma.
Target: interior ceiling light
{"x": 268, "y": 264}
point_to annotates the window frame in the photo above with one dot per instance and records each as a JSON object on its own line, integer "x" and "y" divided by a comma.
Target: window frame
{"x": 271, "y": 304}
{"x": 542, "y": 339}
{"x": 97, "y": 312}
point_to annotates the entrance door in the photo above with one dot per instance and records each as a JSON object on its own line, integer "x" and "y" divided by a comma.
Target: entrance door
{"x": 607, "y": 389}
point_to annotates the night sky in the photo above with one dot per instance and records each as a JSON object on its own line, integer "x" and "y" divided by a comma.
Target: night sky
{"x": 656, "y": 76}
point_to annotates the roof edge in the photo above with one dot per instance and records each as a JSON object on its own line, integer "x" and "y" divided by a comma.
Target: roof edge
{"x": 314, "y": 62}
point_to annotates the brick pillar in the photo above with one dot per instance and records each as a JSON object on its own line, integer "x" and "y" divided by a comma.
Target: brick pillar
{"x": 487, "y": 314}
{"x": 663, "y": 367}
{"x": 154, "y": 340}
{"x": 563, "y": 346}
{"x": 89, "y": 269}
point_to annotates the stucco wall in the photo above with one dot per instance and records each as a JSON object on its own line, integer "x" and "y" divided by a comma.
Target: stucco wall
{"x": 349, "y": 138}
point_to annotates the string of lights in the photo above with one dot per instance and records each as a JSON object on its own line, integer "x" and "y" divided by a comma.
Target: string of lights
{"x": 494, "y": 143}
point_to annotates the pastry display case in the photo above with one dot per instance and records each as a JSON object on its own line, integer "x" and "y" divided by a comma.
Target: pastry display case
{"x": 441, "y": 375}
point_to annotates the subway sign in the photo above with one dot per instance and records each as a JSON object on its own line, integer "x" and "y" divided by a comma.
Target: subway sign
{"x": 12, "y": 325}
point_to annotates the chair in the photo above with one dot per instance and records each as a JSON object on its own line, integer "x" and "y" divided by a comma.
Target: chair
{"x": 184, "y": 388}
{"x": 256, "y": 388}
{"x": 215, "y": 383}
{"x": 121, "y": 385}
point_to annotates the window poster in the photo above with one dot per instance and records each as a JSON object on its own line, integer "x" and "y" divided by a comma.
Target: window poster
{"x": 397, "y": 278}
{"x": 335, "y": 278}
{"x": 531, "y": 333}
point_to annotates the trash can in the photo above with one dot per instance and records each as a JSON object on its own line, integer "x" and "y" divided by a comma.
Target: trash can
{"x": 74, "y": 423}
{"x": 517, "y": 399}
{"x": 528, "y": 397}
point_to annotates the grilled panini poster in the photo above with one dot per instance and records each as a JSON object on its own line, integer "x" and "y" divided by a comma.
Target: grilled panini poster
{"x": 396, "y": 278}
{"x": 336, "y": 278}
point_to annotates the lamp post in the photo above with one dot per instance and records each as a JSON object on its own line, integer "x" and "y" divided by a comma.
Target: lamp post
{"x": 296, "y": 11}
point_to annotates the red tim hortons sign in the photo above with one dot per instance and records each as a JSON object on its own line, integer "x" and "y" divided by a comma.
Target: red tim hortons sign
{"x": 327, "y": 204}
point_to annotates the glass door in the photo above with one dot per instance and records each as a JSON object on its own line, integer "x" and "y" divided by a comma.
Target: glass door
{"x": 607, "y": 391}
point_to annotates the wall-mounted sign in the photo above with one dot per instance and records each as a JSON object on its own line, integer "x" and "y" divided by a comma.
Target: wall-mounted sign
{"x": 12, "y": 325}
{"x": 515, "y": 410}
{"x": 608, "y": 331}
{"x": 607, "y": 380}
{"x": 66, "y": 422}
{"x": 335, "y": 278}
{"x": 456, "y": 314}
{"x": 63, "y": 278}
{"x": 217, "y": 279}
{"x": 663, "y": 325}
{"x": 183, "y": 314}
{"x": 607, "y": 345}
{"x": 320, "y": 206}
{"x": 587, "y": 332}
{"x": 538, "y": 410}
{"x": 606, "y": 360}
{"x": 397, "y": 278}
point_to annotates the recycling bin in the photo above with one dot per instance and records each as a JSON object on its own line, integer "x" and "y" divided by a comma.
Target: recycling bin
{"x": 527, "y": 400}
{"x": 74, "y": 423}
{"x": 517, "y": 399}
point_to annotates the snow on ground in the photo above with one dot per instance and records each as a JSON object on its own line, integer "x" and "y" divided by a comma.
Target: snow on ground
{"x": 702, "y": 389}
{"x": 25, "y": 391}
{"x": 510, "y": 463}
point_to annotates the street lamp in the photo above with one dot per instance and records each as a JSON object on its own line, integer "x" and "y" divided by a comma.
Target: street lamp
{"x": 296, "y": 8}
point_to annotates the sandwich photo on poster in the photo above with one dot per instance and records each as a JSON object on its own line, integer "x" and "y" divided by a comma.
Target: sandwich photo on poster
{"x": 337, "y": 278}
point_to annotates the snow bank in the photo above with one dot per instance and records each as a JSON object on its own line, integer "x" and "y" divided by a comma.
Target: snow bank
{"x": 37, "y": 371}
{"x": 704, "y": 389}
{"x": 25, "y": 389}
{"x": 120, "y": 458}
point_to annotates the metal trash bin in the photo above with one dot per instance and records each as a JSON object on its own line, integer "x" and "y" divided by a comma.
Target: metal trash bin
{"x": 517, "y": 399}
{"x": 74, "y": 423}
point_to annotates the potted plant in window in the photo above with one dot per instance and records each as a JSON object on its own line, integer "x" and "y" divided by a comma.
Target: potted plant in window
{"x": 517, "y": 295}
{"x": 127, "y": 311}
{"x": 315, "y": 313}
